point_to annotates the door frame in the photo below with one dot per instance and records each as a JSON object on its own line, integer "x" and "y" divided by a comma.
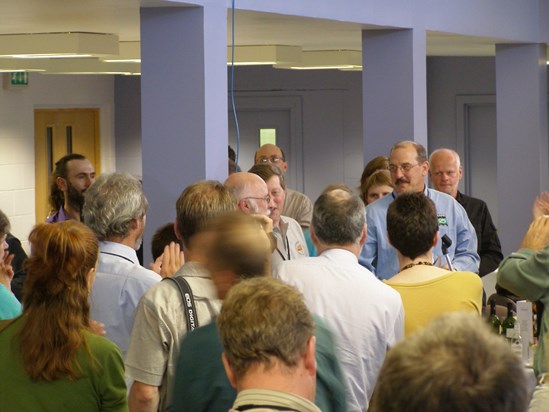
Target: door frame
{"x": 272, "y": 101}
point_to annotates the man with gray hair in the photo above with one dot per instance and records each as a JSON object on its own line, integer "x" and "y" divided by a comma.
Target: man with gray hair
{"x": 115, "y": 209}
{"x": 250, "y": 191}
{"x": 365, "y": 314}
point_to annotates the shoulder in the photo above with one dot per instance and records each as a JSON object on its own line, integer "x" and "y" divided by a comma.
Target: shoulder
{"x": 380, "y": 206}
{"x": 469, "y": 277}
{"x": 103, "y": 349}
{"x": 297, "y": 196}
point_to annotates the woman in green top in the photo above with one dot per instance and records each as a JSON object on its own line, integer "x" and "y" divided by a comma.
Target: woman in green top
{"x": 50, "y": 360}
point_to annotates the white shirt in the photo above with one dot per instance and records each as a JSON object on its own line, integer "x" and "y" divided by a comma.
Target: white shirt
{"x": 119, "y": 284}
{"x": 366, "y": 316}
{"x": 290, "y": 241}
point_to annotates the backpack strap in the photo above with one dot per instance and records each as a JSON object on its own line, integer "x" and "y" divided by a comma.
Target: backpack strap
{"x": 188, "y": 301}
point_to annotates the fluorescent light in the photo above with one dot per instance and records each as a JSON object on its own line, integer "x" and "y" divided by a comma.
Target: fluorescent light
{"x": 48, "y": 56}
{"x": 327, "y": 59}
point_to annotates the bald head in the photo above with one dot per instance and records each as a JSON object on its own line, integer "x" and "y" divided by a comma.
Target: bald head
{"x": 250, "y": 191}
{"x": 269, "y": 153}
{"x": 445, "y": 171}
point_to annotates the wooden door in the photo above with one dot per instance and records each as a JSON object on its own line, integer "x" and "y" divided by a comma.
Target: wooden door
{"x": 58, "y": 132}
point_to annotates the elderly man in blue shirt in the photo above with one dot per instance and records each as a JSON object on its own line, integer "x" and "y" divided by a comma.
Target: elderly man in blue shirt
{"x": 115, "y": 209}
{"x": 408, "y": 166}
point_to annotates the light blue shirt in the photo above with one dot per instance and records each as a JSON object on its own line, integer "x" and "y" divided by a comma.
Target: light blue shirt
{"x": 119, "y": 284}
{"x": 9, "y": 305}
{"x": 381, "y": 258}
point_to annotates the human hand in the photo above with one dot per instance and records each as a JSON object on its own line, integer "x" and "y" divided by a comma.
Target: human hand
{"x": 97, "y": 328}
{"x": 6, "y": 271}
{"x": 537, "y": 235}
{"x": 541, "y": 205}
{"x": 265, "y": 221}
{"x": 170, "y": 261}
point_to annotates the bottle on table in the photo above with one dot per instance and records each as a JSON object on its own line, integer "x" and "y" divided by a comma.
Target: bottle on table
{"x": 516, "y": 340}
{"x": 493, "y": 319}
{"x": 508, "y": 324}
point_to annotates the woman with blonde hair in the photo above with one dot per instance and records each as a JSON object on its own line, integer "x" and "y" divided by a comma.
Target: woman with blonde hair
{"x": 51, "y": 360}
{"x": 378, "y": 185}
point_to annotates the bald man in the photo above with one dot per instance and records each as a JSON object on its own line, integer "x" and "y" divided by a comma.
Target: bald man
{"x": 251, "y": 193}
{"x": 445, "y": 172}
{"x": 297, "y": 205}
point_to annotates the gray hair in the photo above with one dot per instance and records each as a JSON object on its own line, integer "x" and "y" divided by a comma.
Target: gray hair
{"x": 338, "y": 218}
{"x": 111, "y": 204}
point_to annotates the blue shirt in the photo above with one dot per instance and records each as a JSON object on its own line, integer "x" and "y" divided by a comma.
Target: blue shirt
{"x": 119, "y": 284}
{"x": 9, "y": 305}
{"x": 381, "y": 258}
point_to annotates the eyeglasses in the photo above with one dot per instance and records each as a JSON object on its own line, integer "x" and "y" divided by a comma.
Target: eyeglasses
{"x": 266, "y": 198}
{"x": 271, "y": 159}
{"x": 406, "y": 167}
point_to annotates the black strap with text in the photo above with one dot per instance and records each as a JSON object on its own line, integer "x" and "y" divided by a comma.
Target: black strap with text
{"x": 188, "y": 301}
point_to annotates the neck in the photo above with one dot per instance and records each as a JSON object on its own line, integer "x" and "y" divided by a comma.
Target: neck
{"x": 72, "y": 211}
{"x": 405, "y": 261}
{"x": 353, "y": 248}
{"x": 294, "y": 381}
{"x": 129, "y": 241}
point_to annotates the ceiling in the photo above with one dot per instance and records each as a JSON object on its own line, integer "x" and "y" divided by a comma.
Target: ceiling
{"x": 121, "y": 17}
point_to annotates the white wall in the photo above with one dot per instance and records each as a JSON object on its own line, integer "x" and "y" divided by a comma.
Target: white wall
{"x": 17, "y": 135}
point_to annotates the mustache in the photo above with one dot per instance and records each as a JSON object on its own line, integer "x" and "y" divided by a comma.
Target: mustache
{"x": 401, "y": 180}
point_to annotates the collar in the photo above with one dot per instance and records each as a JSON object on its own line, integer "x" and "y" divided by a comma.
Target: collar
{"x": 425, "y": 191}
{"x": 118, "y": 249}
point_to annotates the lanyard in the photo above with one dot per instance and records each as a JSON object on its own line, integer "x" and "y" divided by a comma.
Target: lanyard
{"x": 120, "y": 256}
{"x": 287, "y": 244}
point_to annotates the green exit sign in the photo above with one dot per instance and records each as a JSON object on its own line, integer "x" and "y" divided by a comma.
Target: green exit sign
{"x": 19, "y": 79}
{"x": 16, "y": 80}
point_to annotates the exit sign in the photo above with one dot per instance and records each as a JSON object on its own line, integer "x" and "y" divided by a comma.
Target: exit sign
{"x": 16, "y": 80}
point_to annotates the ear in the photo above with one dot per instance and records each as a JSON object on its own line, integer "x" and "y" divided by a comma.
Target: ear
{"x": 61, "y": 183}
{"x": 177, "y": 231}
{"x": 314, "y": 239}
{"x": 460, "y": 173}
{"x": 90, "y": 277}
{"x": 310, "y": 359}
{"x": 435, "y": 239}
{"x": 425, "y": 167}
{"x": 363, "y": 236}
{"x": 243, "y": 205}
{"x": 228, "y": 370}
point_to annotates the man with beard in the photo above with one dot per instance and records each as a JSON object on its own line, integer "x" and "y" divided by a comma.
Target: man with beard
{"x": 115, "y": 209}
{"x": 408, "y": 166}
{"x": 73, "y": 174}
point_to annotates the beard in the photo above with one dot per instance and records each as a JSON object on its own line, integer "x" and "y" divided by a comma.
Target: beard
{"x": 75, "y": 198}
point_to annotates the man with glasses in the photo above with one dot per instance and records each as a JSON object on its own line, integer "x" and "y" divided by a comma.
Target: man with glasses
{"x": 251, "y": 193}
{"x": 297, "y": 206}
{"x": 408, "y": 166}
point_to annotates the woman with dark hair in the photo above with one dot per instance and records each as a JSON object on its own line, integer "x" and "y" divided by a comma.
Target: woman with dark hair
{"x": 426, "y": 290}
{"x": 51, "y": 360}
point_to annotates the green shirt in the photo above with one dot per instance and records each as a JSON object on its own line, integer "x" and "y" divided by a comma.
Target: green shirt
{"x": 201, "y": 383}
{"x": 101, "y": 387}
{"x": 526, "y": 274}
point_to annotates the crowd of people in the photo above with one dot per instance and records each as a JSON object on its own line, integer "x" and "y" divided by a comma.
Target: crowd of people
{"x": 259, "y": 299}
